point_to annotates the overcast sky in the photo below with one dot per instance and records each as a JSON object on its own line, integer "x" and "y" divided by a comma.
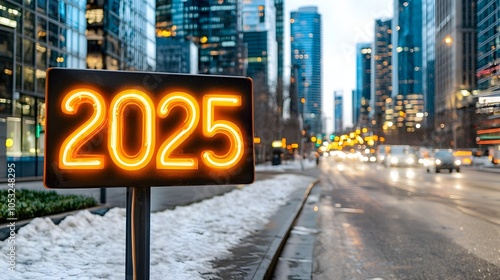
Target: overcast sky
{"x": 344, "y": 23}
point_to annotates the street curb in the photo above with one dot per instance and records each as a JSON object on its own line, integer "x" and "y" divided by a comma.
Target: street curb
{"x": 273, "y": 252}
{"x": 56, "y": 219}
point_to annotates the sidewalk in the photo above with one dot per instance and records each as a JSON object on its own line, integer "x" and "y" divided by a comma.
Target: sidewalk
{"x": 258, "y": 255}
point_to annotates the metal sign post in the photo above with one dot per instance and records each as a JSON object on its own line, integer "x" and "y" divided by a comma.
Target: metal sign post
{"x": 138, "y": 233}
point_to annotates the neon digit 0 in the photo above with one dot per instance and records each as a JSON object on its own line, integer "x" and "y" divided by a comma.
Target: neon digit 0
{"x": 212, "y": 127}
{"x": 117, "y": 128}
{"x": 68, "y": 157}
{"x": 189, "y": 104}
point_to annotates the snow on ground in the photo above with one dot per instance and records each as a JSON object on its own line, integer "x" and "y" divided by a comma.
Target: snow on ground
{"x": 184, "y": 241}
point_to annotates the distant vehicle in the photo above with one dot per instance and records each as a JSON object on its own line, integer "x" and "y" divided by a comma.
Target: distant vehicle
{"x": 443, "y": 159}
{"x": 465, "y": 156}
{"x": 381, "y": 153}
{"x": 401, "y": 155}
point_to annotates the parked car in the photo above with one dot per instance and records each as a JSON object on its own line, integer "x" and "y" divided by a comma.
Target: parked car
{"x": 443, "y": 159}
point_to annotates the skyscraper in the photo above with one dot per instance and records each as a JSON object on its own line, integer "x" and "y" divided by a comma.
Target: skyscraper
{"x": 338, "y": 111}
{"x": 259, "y": 36}
{"x": 407, "y": 90}
{"x": 488, "y": 72}
{"x": 278, "y": 5}
{"x": 363, "y": 84}
{"x": 455, "y": 67}
{"x": 428, "y": 63}
{"x": 214, "y": 26}
{"x": 121, "y": 34}
{"x": 306, "y": 56}
{"x": 381, "y": 84}
{"x": 35, "y": 35}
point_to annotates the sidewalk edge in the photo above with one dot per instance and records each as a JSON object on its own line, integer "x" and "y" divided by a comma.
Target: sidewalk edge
{"x": 273, "y": 252}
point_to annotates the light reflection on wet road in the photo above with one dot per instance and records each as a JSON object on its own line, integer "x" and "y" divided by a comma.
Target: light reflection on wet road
{"x": 410, "y": 224}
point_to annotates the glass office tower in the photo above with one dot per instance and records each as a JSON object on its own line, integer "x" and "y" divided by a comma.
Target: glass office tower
{"x": 121, "y": 34}
{"x": 305, "y": 26}
{"x": 214, "y": 26}
{"x": 34, "y": 35}
{"x": 488, "y": 73}
{"x": 363, "y": 84}
{"x": 381, "y": 85}
{"x": 407, "y": 90}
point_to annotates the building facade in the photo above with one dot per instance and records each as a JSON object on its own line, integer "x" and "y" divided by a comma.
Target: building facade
{"x": 176, "y": 56}
{"x": 306, "y": 54}
{"x": 488, "y": 74}
{"x": 34, "y": 35}
{"x": 381, "y": 78}
{"x": 215, "y": 27}
{"x": 455, "y": 66}
{"x": 259, "y": 36}
{"x": 121, "y": 35}
{"x": 428, "y": 63}
{"x": 338, "y": 111}
{"x": 362, "y": 102}
{"x": 407, "y": 77}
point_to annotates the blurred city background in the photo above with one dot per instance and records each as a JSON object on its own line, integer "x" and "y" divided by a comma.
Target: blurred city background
{"x": 428, "y": 77}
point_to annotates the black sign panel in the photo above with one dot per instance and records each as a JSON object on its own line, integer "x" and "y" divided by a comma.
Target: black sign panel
{"x": 126, "y": 129}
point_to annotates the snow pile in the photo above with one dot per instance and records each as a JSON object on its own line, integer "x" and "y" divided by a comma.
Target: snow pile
{"x": 184, "y": 241}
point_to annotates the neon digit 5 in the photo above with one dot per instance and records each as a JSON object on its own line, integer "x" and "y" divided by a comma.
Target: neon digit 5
{"x": 69, "y": 158}
{"x": 212, "y": 127}
{"x": 117, "y": 128}
{"x": 189, "y": 104}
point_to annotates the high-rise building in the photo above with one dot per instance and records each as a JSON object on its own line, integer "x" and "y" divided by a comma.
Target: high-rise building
{"x": 214, "y": 26}
{"x": 121, "y": 34}
{"x": 488, "y": 72}
{"x": 278, "y": 5}
{"x": 428, "y": 62}
{"x": 305, "y": 36}
{"x": 259, "y": 36}
{"x": 34, "y": 35}
{"x": 363, "y": 84}
{"x": 381, "y": 68}
{"x": 455, "y": 67}
{"x": 338, "y": 111}
{"x": 407, "y": 80}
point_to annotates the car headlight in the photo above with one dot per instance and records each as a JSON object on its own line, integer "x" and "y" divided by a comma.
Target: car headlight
{"x": 373, "y": 159}
{"x": 410, "y": 161}
{"x": 438, "y": 162}
{"x": 394, "y": 160}
{"x": 458, "y": 162}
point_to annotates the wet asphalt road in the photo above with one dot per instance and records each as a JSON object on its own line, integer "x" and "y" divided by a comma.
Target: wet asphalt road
{"x": 402, "y": 223}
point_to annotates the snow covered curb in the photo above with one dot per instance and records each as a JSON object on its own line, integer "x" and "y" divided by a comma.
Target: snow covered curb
{"x": 56, "y": 219}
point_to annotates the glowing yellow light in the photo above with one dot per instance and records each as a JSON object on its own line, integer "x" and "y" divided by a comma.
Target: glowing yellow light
{"x": 189, "y": 104}
{"x": 68, "y": 158}
{"x": 9, "y": 143}
{"x": 313, "y": 139}
{"x": 283, "y": 143}
{"x": 256, "y": 140}
{"x": 448, "y": 39}
{"x": 203, "y": 39}
{"x": 117, "y": 124}
{"x": 364, "y": 130}
{"x": 211, "y": 127}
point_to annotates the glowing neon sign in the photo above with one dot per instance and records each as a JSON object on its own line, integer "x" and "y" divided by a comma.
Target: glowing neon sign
{"x": 121, "y": 129}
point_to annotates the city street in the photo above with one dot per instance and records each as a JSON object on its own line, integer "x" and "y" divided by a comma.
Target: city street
{"x": 403, "y": 223}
